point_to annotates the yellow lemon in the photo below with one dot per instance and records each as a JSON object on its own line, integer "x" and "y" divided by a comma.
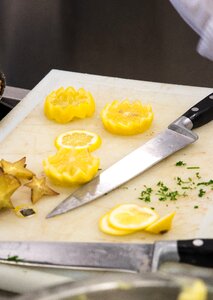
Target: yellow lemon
{"x": 105, "y": 227}
{"x": 63, "y": 104}
{"x": 162, "y": 225}
{"x": 132, "y": 217}
{"x": 127, "y": 118}
{"x": 195, "y": 291}
{"x": 70, "y": 166}
{"x": 78, "y": 139}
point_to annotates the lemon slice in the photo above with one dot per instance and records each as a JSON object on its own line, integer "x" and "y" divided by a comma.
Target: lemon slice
{"x": 132, "y": 217}
{"x": 78, "y": 139}
{"x": 162, "y": 225}
{"x": 105, "y": 227}
{"x": 127, "y": 118}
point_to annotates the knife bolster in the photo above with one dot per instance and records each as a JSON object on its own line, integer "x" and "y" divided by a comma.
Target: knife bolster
{"x": 164, "y": 252}
{"x": 183, "y": 125}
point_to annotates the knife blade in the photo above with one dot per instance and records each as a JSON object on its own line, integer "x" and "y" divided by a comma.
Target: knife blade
{"x": 123, "y": 257}
{"x": 177, "y": 136}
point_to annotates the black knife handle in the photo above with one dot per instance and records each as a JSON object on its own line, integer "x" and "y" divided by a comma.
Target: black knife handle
{"x": 196, "y": 252}
{"x": 202, "y": 112}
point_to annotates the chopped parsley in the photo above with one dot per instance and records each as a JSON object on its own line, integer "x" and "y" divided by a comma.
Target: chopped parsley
{"x": 196, "y": 206}
{"x": 180, "y": 163}
{"x": 165, "y": 193}
{"x": 146, "y": 194}
{"x": 201, "y": 193}
{"x": 193, "y": 168}
{"x": 14, "y": 258}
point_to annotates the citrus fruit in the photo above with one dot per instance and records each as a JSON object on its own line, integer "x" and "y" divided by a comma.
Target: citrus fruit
{"x": 132, "y": 217}
{"x": 63, "y": 105}
{"x": 162, "y": 225}
{"x": 105, "y": 227}
{"x": 126, "y": 118}
{"x": 78, "y": 139}
{"x": 70, "y": 166}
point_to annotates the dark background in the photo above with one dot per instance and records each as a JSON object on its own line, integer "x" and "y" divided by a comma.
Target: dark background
{"x": 138, "y": 39}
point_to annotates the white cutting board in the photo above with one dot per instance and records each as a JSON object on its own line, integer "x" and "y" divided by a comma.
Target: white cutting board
{"x": 25, "y": 131}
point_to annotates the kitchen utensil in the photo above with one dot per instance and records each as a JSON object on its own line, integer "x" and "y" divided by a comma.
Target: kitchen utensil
{"x": 107, "y": 256}
{"x": 177, "y": 136}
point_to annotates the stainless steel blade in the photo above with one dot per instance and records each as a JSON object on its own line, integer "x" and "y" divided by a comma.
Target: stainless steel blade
{"x": 130, "y": 166}
{"x": 95, "y": 256}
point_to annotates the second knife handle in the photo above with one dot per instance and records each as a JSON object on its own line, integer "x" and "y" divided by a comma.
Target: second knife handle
{"x": 196, "y": 252}
{"x": 202, "y": 112}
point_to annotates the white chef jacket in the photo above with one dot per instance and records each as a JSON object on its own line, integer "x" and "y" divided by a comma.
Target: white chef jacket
{"x": 199, "y": 15}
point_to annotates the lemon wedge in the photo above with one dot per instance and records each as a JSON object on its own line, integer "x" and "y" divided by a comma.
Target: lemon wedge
{"x": 105, "y": 227}
{"x": 162, "y": 225}
{"x": 127, "y": 118}
{"x": 132, "y": 217}
{"x": 78, "y": 139}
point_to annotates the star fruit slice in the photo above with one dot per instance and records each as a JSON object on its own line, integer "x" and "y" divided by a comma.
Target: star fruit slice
{"x": 39, "y": 188}
{"x": 8, "y": 185}
{"x": 17, "y": 168}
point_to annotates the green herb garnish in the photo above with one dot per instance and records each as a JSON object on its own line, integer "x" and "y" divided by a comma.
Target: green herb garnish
{"x": 201, "y": 193}
{"x": 165, "y": 193}
{"x": 180, "y": 163}
{"x": 146, "y": 194}
{"x": 196, "y": 206}
{"x": 193, "y": 168}
{"x": 14, "y": 258}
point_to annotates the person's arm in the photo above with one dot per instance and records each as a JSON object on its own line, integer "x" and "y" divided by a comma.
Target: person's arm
{"x": 199, "y": 15}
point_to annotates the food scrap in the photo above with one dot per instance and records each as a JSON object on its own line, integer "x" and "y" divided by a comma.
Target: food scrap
{"x": 39, "y": 188}
{"x": 129, "y": 218}
{"x": 63, "y": 104}
{"x": 70, "y": 166}
{"x": 17, "y": 169}
{"x": 8, "y": 185}
{"x": 127, "y": 118}
{"x": 78, "y": 139}
{"x": 24, "y": 210}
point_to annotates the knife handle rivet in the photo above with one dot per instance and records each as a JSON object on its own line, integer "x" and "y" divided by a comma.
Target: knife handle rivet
{"x": 195, "y": 108}
{"x": 211, "y": 97}
{"x": 198, "y": 243}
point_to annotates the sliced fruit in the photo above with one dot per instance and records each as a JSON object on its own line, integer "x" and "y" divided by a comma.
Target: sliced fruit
{"x": 132, "y": 217}
{"x": 78, "y": 139}
{"x": 197, "y": 290}
{"x": 8, "y": 185}
{"x": 127, "y": 118}
{"x": 39, "y": 188}
{"x": 162, "y": 225}
{"x": 63, "y": 105}
{"x": 105, "y": 227}
{"x": 17, "y": 169}
{"x": 71, "y": 166}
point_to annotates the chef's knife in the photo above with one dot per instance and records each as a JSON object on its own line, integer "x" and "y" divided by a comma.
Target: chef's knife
{"x": 107, "y": 256}
{"x": 177, "y": 136}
